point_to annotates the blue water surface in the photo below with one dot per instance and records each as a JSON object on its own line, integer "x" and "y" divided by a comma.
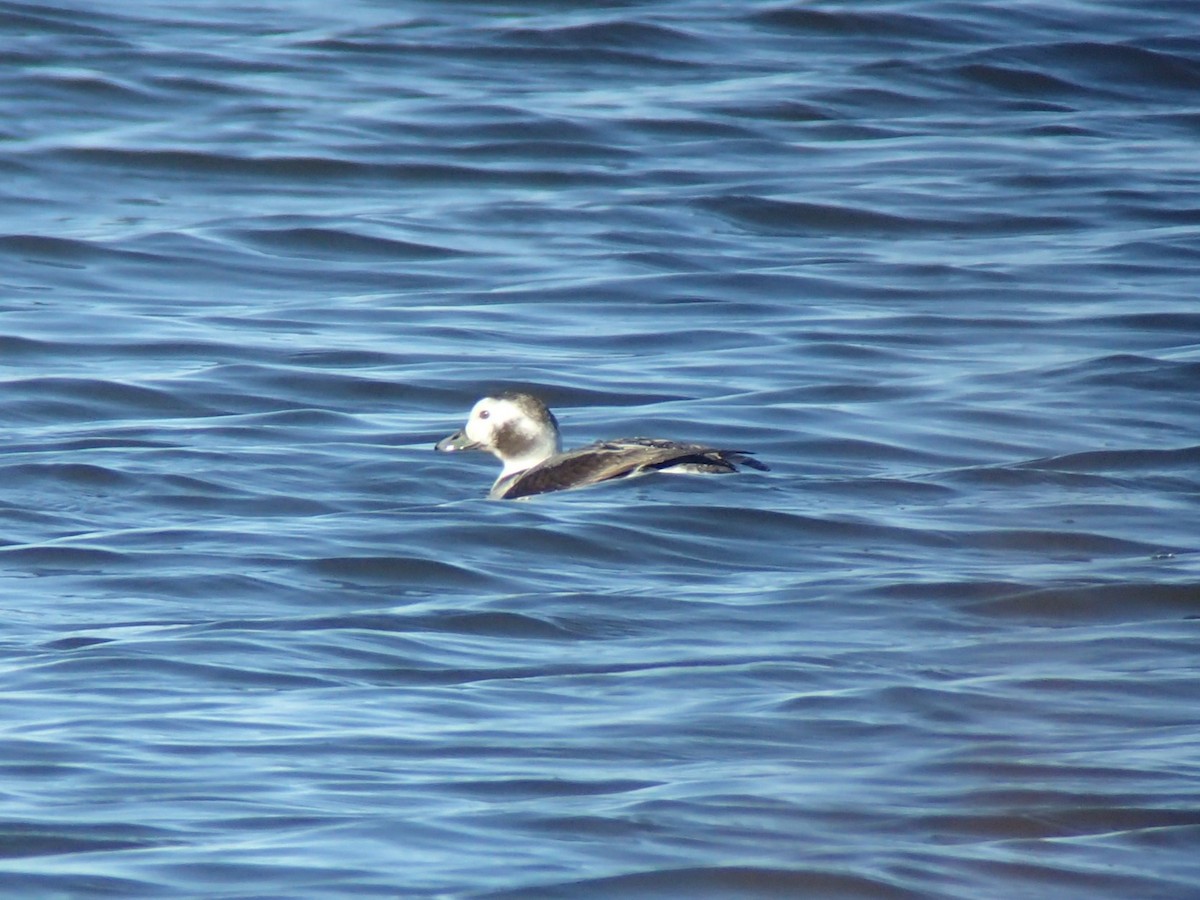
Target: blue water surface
{"x": 935, "y": 263}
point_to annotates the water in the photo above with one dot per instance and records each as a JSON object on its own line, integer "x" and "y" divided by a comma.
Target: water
{"x": 934, "y": 262}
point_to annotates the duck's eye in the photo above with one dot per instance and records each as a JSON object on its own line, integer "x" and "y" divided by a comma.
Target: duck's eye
{"x": 484, "y": 413}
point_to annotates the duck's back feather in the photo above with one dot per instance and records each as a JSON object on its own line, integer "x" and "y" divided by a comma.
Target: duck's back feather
{"x": 621, "y": 458}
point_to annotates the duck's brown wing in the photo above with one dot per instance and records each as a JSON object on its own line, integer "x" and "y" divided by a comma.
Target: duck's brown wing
{"x": 683, "y": 454}
{"x": 606, "y": 460}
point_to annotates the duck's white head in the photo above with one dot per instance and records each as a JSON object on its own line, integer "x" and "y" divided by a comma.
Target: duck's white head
{"x": 515, "y": 427}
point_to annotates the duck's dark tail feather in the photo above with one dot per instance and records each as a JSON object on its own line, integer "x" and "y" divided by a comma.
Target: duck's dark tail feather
{"x": 744, "y": 458}
{"x": 709, "y": 461}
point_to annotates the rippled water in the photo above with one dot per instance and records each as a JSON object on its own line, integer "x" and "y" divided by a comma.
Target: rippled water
{"x": 936, "y": 263}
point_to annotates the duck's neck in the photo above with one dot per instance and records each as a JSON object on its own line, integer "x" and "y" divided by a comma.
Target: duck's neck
{"x": 528, "y": 458}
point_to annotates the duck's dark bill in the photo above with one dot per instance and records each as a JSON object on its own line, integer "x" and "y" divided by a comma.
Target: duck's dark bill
{"x": 456, "y": 441}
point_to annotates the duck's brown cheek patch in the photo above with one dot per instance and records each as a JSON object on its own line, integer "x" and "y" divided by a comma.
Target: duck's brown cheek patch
{"x": 514, "y": 438}
{"x": 507, "y": 437}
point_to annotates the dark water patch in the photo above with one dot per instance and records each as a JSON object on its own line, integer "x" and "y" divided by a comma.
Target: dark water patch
{"x": 310, "y": 421}
{"x": 732, "y": 525}
{"x": 616, "y": 64}
{"x": 224, "y": 500}
{"x": 88, "y": 87}
{"x": 1173, "y": 838}
{"x": 206, "y": 586}
{"x": 327, "y": 243}
{"x": 235, "y": 410}
{"x": 1021, "y": 81}
{"x": 366, "y": 43}
{"x": 586, "y": 827}
{"x": 949, "y": 593}
{"x": 990, "y": 222}
{"x": 856, "y": 103}
{"x": 1127, "y": 370}
{"x": 141, "y": 668}
{"x": 50, "y": 559}
{"x": 1021, "y": 475}
{"x": 725, "y": 882}
{"x": 1077, "y": 696}
{"x": 1136, "y": 205}
{"x": 1095, "y": 874}
{"x": 997, "y": 420}
{"x": 451, "y": 621}
{"x": 900, "y": 330}
{"x": 519, "y": 51}
{"x": 769, "y": 216}
{"x": 1083, "y": 182}
{"x": 1180, "y": 324}
{"x": 197, "y": 873}
{"x": 69, "y": 252}
{"x": 943, "y": 707}
{"x": 852, "y": 450}
{"x": 1059, "y": 131}
{"x": 36, "y": 19}
{"x": 620, "y": 34}
{"x": 1082, "y": 68}
{"x": 181, "y": 163}
{"x": 267, "y": 269}
{"x": 1126, "y": 602}
{"x": 560, "y": 397}
{"x": 1122, "y": 65}
{"x": 501, "y": 624}
{"x": 28, "y": 524}
{"x": 700, "y": 340}
{"x": 679, "y": 127}
{"x": 796, "y": 217}
{"x": 836, "y": 132}
{"x": 535, "y": 541}
{"x": 1004, "y": 773}
{"x": 852, "y": 352}
{"x": 643, "y": 43}
{"x": 665, "y": 262}
{"x": 1081, "y": 545}
{"x": 197, "y": 86}
{"x": 76, "y": 642}
{"x": 1186, "y": 121}
{"x": 484, "y": 126}
{"x": 85, "y": 476}
{"x": 179, "y": 547}
{"x": 1183, "y": 459}
{"x": 887, "y": 490}
{"x": 15, "y": 347}
{"x": 1151, "y": 255}
{"x": 209, "y": 351}
{"x": 1029, "y": 821}
{"x": 344, "y": 358}
{"x": 401, "y": 571}
{"x": 527, "y": 149}
{"x": 59, "y": 398}
{"x": 537, "y": 788}
{"x": 23, "y": 839}
{"x": 873, "y": 25}
{"x": 782, "y": 111}
{"x": 267, "y": 391}
{"x": 193, "y": 486}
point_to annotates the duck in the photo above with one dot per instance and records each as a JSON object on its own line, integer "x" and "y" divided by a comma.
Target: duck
{"x": 518, "y": 429}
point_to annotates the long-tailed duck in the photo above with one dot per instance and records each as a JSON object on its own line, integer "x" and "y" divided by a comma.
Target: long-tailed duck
{"x": 519, "y": 430}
